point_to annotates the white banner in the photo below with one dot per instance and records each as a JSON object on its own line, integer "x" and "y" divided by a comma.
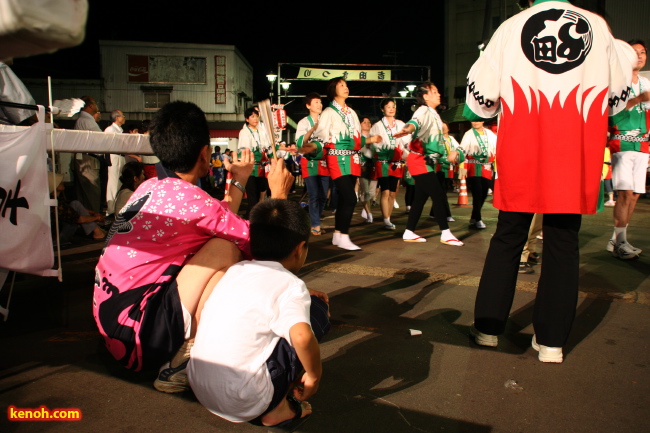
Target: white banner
{"x": 25, "y": 238}
{"x": 349, "y": 75}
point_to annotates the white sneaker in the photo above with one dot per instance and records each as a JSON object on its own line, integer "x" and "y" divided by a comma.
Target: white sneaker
{"x": 483, "y": 339}
{"x": 336, "y": 237}
{"x": 364, "y": 214}
{"x": 346, "y": 243}
{"x": 409, "y": 236}
{"x": 369, "y": 220}
{"x": 611, "y": 245}
{"x": 546, "y": 353}
{"x": 450, "y": 219}
{"x": 480, "y": 224}
{"x": 610, "y": 203}
{"x": 395, "y": 205}
{"x": 625, "y": 251}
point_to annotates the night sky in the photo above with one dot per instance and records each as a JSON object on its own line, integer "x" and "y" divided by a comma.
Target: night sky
{"x": 408, "y": 32}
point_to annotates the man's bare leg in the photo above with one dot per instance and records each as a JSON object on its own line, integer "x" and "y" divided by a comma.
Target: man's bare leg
{"x": 202, "y": 272}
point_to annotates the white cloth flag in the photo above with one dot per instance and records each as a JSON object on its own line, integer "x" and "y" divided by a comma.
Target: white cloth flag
{"x": 25, "y": 238}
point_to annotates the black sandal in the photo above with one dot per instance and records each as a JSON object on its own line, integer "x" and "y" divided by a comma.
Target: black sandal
{"x": 296, "y": 421}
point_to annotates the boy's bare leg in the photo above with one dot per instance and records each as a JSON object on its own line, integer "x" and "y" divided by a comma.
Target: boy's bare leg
{"x": 202, "y": 272}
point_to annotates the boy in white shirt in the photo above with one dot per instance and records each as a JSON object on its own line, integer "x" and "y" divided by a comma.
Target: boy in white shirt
{"x": 256, "y": 356}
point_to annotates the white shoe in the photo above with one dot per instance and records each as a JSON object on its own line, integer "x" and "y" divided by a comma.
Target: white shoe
{"x": 346, "y": 243}
{"x": 483, "y": 339}
{"x": 546, "y": 353}
{"x": 409, "y": 236}
{"x": 364, "y": 214}
{"x": 480, "y": 224}
{"x": 625, "y": 251}
{"x": 450, "y": 219}
{"x": 395, "y": 205}
{"x": 336, "y": 237}
{"x": 370, "y": 219}
{"x": 610, "y": 203}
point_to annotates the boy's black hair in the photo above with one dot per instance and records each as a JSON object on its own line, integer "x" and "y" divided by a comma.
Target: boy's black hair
{"x": 310, "y": 96}
{"x": 178, "y": 134}
{"x": 276, "y": 228}
{"x": 422, "y": 90}
{"x": 331, "y": 87}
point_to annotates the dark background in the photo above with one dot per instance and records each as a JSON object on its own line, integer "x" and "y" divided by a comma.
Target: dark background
{"x": 408, "y": 33}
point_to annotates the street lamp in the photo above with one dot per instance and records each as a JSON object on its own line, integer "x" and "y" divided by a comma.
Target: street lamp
{"x": 271, "y": 77}
{"x": 285, "y": 86}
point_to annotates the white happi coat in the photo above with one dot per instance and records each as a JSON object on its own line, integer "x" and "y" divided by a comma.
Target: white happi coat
{"x": 552, "y": 72}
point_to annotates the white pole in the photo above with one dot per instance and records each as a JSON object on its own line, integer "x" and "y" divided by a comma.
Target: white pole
{"x": 56, "y": 213}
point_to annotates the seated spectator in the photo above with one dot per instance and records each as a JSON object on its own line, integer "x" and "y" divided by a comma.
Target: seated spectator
{"x": 168, "y": 248}
{"x": 261, "y": 316}
{"x": 73, "y": 215}
{"x": 131, "y": 178}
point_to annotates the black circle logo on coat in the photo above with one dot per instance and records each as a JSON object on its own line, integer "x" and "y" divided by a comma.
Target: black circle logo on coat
{"x": 557, "y": 40}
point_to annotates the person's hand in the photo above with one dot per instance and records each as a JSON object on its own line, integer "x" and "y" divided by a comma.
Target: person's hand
{"x": 453, "y": 156}
{"x": 240, "y": 167}
{"x": 280, "y": 179}
{"x": 403, "y": 133}
{"x": 375, "y": 139}
{"x": 307, "y": 388}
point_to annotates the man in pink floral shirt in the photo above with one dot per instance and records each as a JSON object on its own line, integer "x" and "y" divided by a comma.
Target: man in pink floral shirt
{"x": 169, "y": 247}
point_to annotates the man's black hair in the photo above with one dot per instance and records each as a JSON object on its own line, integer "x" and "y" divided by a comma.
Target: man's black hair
{"x": 276, "y": 228}
{"x": 637, "y": 42}
{"x": 178, "y": 134}
{"x": 144, "y": 126}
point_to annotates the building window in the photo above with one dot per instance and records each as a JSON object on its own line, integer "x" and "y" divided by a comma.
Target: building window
{"x": 156, "y": 97}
